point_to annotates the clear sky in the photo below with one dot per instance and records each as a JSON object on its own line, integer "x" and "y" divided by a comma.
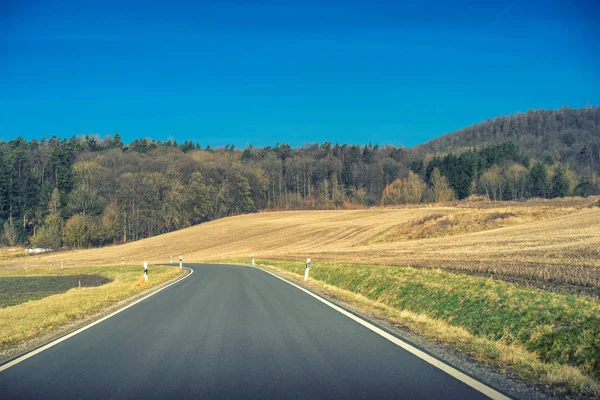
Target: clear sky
{"x": 291, "y": 71}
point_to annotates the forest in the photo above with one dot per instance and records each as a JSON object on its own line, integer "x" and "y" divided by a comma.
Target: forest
{"x": 567, "y": 135}
{"x": 90, "y": 191}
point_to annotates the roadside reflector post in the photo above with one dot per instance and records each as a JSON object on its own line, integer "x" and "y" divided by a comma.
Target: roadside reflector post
{"x": 180, "y": 261}
{"x": 61, "y": 265}
{"x": 123, "y": 261}
{"x": 307, "y": 269}
{"x": 253, "y": 259}
{"x": 80, "y": 284}
{"x": 170, "y": 259}
{"x": 25, "y": 265}
{"x": 146, "y": 271}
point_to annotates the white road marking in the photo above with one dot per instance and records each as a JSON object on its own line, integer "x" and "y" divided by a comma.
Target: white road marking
{"x": 480, "y": 387}
{"x": 466, "y": 379}
{"x": 70, "y": 335}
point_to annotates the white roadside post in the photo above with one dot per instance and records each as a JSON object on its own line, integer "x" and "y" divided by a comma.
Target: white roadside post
{"x": 123, "y": 261}
{"x": 307, "y": 269}
{"x": 61, "y": 265}
{"x": 25, "y": 265}
{"x": 253, "y": 259}
{"x": 170, "y": 259}
{"x": 146, "y": 271}
{"x": 180, "y": 261}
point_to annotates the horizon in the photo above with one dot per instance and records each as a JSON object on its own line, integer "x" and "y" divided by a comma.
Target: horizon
{"x": 271, "y": 145}
{"x": 304, "y": 72}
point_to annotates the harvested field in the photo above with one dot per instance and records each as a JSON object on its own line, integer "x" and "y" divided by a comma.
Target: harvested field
{"x": 467, "y": 221}
{"x": 561, "y": 249}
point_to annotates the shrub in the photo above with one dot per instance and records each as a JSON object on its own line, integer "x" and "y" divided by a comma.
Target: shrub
{"x": 82, "y": 231}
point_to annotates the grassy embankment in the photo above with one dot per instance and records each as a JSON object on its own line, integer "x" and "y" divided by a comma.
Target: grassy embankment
{"x": 544, "y": 337}
{"x": 36, "y": 302}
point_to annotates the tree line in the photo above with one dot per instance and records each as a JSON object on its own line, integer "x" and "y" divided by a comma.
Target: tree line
{"x": 86, "y": 191}
{"x": 501, "y": 172}
{"x": 567, "y": 135}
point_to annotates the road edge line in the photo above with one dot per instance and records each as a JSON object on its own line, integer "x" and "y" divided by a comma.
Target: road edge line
{"x": 455, "y": 373}
{"x": 53, "y": 343}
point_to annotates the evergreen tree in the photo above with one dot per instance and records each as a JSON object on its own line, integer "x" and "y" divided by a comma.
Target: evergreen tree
{"x": 539, "y": 180}
{"x": 585, "y": 188}
{"x": 116, "y": 142}
{"x": 562, "y": 184}
{"x": 247, "y": 154}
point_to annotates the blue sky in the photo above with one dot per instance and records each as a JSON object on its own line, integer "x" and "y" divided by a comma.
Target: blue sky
{"x": 293, "y": 71}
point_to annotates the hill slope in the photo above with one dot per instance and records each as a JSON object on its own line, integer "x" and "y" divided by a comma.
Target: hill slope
{"x": 563, "y": 248}
{"x": 567, "y": 135}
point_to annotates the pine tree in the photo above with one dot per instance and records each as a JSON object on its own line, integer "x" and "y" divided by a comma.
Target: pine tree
{"x": 562, "y": 184}
{"x": 539, "y": 180}
{"x": 117, "y": 143}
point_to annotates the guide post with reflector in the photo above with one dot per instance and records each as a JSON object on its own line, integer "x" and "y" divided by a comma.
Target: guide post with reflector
{"x": 307, "y": 269}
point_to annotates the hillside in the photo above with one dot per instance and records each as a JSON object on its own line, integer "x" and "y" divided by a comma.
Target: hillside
{"x": 86, "y": 192}
{"x": 566, "y": 135}
{"x": 544, "y": 240}
{"x": 399, "y": 264}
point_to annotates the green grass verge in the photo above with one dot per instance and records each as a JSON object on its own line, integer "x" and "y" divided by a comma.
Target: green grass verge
{"x": 35, "y": 302}
{"x": 20, "y": 289}
{"x": 552, "y": 329}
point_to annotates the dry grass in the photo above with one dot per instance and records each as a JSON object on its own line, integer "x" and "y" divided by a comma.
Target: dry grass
{"x": 472, "y": 220}
{"x": 11, "y": 252}
{"x": 563, "y": 249}
{"x": 50, "y": 305}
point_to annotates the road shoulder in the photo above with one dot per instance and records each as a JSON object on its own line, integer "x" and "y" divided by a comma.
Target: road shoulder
{"x": 30, "y": 345}
{"x": 505, "y": 380}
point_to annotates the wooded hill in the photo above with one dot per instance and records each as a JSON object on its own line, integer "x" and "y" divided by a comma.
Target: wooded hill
{"x": 86, "y": 191}
{"x": 568, "y": 135}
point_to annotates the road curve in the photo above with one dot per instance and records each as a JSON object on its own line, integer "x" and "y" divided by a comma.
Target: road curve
{"x": 228, "y": 332}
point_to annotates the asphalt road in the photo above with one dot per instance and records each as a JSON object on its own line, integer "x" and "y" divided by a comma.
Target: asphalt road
{"x": 228, "y": 332}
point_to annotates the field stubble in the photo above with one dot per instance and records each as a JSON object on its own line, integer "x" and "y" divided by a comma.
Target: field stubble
{"x": 554, "y": 242}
